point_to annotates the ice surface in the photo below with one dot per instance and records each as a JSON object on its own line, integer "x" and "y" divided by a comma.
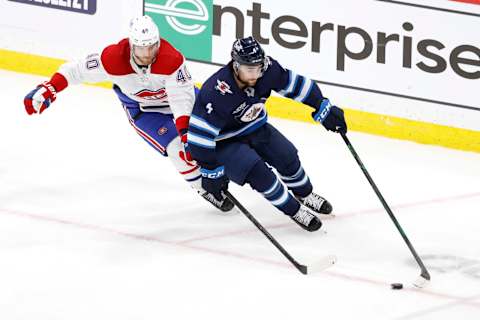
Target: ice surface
{"x": 94, "y": 224}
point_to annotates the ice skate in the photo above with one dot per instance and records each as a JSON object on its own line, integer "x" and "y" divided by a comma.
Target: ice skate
{"x": 316, "y": 203}
{"x": 307, "y": 220}
{"x": 224, "y": 205}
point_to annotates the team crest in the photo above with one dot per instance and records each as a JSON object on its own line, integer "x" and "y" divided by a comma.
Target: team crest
{"x": 253, "y": 112}
{"x": 146, "y": 94}
{"x": 162, "y": 131}
{"x": 223, "y": 87}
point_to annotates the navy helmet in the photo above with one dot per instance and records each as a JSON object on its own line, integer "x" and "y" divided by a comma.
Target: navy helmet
{"x": 248, "y": 51}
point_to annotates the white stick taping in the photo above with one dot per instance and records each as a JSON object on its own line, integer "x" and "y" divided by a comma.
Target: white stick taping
{"x": 421, "y": 282}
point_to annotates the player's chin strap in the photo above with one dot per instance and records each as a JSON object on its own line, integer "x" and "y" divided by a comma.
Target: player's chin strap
{"x": 424, "y": 272}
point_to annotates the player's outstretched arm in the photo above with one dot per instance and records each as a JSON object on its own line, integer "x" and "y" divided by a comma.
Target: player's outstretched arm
{"x": 88, "y": 69}
{"x": 304, "y": 90}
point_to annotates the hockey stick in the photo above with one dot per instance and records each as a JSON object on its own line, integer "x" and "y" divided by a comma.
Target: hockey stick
{"x": 424, "y": 276}
{"x": 322, "y": 264}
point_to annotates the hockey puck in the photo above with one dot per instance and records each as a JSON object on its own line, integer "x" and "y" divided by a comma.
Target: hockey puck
{"x": 396, "y": 286}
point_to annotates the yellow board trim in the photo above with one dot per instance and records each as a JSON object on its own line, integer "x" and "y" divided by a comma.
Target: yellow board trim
{"x": 33, "y": 64}
{"x": 387, "y": 126}
{"x": 361, "y": 121}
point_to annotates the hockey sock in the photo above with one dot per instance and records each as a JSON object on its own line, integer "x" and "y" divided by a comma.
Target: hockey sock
{"x": 190, "y": 174}
{"x": 263, "y": 180}
{"x": 296, "y": 179}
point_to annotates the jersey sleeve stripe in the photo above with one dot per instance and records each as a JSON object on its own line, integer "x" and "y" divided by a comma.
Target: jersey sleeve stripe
{"x": 201, "y": 141}
{"x": 290, "y": 85}
{"x": 203, "y": 125}
{"x": 306, "y": 90}
{"x": 297, "y": 88}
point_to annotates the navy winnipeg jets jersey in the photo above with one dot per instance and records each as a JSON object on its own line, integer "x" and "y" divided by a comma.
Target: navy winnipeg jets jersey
{"x": 224, "y": 111}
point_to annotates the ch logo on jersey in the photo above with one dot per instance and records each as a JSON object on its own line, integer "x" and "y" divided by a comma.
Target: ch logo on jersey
{"x": 223, "y": 87}
{"x": 172, "y": 10}
{"x": 162, "y": 131}
{"x": 146, "y": 94}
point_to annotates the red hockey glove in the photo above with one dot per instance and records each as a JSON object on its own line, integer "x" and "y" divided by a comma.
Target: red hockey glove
{"x": 185, "y": 155}
{"x": 40, "y": 98}
{"x": 182, "y": 127}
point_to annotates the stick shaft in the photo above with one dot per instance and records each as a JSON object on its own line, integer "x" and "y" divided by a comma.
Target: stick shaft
{"x": 300, "y": 267}
{"x": 424, "y": 271}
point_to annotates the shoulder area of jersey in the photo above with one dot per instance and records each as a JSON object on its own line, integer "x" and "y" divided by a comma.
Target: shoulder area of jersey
{"x": 272, "y": 64}
{"x": 220, "y": 83}
{"x": 116, "y": 58}
{"x": 169, "y": 59}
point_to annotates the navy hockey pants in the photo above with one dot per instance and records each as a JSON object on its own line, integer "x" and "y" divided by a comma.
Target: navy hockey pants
{"x": 245, "y": 158}
{"x": 239, "y": 155}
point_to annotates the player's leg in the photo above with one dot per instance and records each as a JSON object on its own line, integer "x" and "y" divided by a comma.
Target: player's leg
{"x": 191, "y": 173}
{"x": 280, "y": 153}
{"x": 159, "y": 131}
{"x": 244, "y": 165}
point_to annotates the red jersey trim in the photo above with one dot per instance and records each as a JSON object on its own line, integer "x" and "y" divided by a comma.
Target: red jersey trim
{"x": 59, "y": 81}
{"x": 116, "y": 59}
{"x": 168, "y": 60}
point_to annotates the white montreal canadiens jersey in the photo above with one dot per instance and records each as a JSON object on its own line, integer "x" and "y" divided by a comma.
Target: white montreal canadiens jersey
{"x": 166, "y": 86}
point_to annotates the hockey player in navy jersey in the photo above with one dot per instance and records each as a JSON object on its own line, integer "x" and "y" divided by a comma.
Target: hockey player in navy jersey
{"x": 154, "y": 86}
{"x": 230, "y": 138}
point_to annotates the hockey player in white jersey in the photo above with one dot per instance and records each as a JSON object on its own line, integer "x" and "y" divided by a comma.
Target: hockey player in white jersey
{"x": 154, "y": 86}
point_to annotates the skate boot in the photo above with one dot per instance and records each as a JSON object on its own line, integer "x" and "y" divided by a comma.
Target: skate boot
{"x": 225, "y": 205}
{"x": 307, "y": 220}
{"x": 316, "y": 203}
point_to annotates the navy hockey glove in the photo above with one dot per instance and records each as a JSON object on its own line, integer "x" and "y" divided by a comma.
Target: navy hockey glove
{"x": 214, "y": 181}
{"x": 331, "y": 117}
